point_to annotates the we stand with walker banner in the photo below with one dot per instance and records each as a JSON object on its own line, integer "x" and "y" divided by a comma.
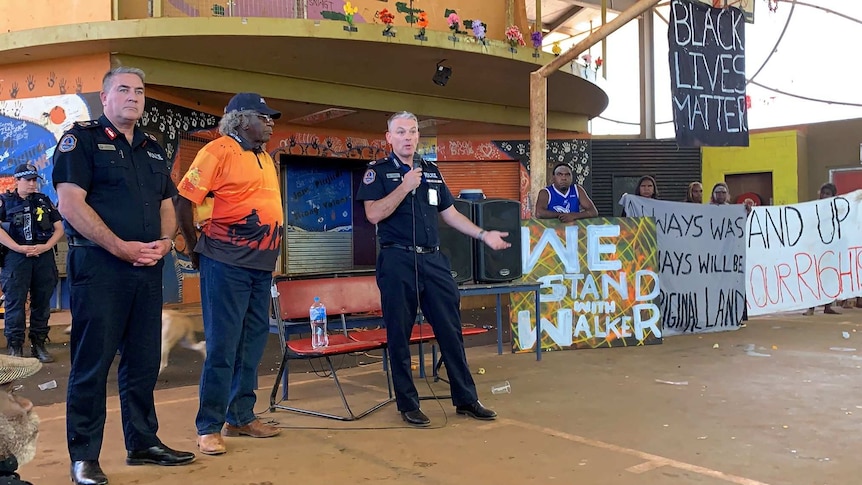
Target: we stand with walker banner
{"x": 599, "y": 282}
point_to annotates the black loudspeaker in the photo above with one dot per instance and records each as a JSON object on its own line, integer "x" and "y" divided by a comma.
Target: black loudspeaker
{"x": 458, "y": 247}
{"x": 498, "y": 215}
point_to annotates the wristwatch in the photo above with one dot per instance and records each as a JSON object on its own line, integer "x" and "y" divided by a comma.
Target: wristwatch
{"x": 173, "y": 244}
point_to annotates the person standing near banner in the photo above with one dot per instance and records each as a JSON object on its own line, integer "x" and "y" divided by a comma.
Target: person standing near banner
{"x": 827, "y": 190}
{"x": 694, "y": 194}
{"x": 563, "y": 199}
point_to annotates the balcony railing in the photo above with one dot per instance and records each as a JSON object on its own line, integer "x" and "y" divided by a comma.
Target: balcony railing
{"x": 231, "y": 8}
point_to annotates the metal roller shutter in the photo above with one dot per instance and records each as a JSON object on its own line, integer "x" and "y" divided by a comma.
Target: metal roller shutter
{"x": 625, "y": 160}
{"x": 497, "y": 179}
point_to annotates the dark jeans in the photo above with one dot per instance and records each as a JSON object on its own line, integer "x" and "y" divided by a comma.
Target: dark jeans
{"x": 22, "y": 275}
{"x": 440, "y": 304}
{"x": 115, "y": 306}
{"x": 235, "y": 304}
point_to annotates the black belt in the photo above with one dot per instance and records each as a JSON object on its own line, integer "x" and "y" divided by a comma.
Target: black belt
{"x": 412, "y": 249}
{"x": 78, "y": 241}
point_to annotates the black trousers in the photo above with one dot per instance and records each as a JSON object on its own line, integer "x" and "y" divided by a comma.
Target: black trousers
{"x": 115, "y": 306}
{"x": 22, "y": 275}
{"x": 440, "y": 300}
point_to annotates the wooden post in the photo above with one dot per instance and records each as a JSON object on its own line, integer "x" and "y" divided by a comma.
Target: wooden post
{"x": 539, "y": 91}
{"x": 539, "y": 24}
{"x": 538, "y": 136}
{"x": 158, "y": 11}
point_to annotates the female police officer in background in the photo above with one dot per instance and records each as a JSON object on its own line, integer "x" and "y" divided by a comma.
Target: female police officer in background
{"x": 31, "y": 227}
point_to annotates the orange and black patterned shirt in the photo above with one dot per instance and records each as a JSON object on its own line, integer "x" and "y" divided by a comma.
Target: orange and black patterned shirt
{"x": 247, "y": 220}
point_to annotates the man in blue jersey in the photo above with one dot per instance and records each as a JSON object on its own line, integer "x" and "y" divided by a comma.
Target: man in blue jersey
{"x": 564, "y": 200}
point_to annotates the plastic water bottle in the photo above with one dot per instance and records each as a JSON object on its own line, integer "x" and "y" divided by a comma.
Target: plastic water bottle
{"x": 317, "y": 316}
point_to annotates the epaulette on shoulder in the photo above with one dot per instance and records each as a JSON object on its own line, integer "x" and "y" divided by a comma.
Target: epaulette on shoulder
{"x": 151, "y": 136}
{"x": 87, "y": 124}
{"x": 431, "y": 163}
{"x": 372, "y": 163}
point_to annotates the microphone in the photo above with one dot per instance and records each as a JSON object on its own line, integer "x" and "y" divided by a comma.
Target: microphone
{"x": 417, "y": 163}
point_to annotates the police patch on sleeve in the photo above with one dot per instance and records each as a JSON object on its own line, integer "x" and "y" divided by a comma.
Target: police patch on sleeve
{"x": 67, "y": 143}
{"x": 369, "y": 177}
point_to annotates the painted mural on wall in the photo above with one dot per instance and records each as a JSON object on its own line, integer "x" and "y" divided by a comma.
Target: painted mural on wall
{"x": 319, "y": 200}
{"x": 577, "y": 153}
{"x": 167, "y": 121}
{"x": 30, "y": 128}
{"x": 54, "y": 77}
{"x": 316, "y": 145}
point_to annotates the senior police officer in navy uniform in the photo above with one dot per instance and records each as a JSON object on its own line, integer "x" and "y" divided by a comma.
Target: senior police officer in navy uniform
{"x": 115, "y": 193}
{"x": 30, "y": 227}
{"x": 403, "y": 196}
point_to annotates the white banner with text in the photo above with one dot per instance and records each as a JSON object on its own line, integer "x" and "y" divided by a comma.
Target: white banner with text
{"x": 803, "y": 255}
{"x": 701, "y": 259}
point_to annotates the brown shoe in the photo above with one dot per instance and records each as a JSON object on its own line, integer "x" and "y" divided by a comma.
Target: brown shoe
{"x": 211, "y": 444}
{"x": 255, "y": 429}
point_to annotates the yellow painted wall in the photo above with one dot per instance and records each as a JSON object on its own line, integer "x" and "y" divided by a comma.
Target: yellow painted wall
{"x": 30, "y": 14}
{"x": 775, "y": 152}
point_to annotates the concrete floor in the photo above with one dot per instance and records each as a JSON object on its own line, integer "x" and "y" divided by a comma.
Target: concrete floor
{"x": 778, "y": 402}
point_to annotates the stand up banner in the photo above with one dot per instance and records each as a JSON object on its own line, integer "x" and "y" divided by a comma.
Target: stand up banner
{"x": 599, "y": 284}
{"x": 707, "y": 74}
{"x": 803, "y": 255}
{"x": 701, "y": 260}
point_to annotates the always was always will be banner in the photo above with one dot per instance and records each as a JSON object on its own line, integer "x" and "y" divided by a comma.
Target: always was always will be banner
{"x": 701, "y": 260}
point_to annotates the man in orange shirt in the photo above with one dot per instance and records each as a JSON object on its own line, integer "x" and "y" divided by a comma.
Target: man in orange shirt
{"x": 236, "y": 255}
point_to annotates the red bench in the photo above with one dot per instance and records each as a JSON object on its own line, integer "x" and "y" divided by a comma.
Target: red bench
{"x": 341, "y": 296}
{"x": 356, "y": 301}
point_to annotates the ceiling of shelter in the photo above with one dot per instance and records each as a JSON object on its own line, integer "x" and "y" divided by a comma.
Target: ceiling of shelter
{"x": 365, "y": 121}
{"x": 573, "y": 17}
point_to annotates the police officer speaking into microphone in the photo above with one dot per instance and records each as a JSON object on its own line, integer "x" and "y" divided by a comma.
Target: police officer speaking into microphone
{"x": 403, "y": 198}
{"x": 30, "y": 227}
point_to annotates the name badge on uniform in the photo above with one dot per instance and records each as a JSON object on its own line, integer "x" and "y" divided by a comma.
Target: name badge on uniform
{"x": 393, "y": 176}
{"x": 106, "y": 146}
{"x": 432, "y": 197}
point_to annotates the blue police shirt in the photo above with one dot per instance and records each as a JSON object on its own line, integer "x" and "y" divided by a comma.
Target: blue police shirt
{"x": 30, "y": 220}
{"x": 382, "y": 177}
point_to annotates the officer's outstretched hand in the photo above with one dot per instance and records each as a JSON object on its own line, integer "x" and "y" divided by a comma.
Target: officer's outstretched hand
{"x": 494, "y": 240}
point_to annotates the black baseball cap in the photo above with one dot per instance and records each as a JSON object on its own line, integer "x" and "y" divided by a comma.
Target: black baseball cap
{"x": 251, "y": 102}
{"x": 27, "y": 171}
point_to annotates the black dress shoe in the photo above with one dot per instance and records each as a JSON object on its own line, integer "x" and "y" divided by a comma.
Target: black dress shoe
{"x": 159, "y": 455}
{"x": 476, "y": 411}
{"x": 88, "y": 472}
{"x": 416, "y": 418}
{"x": 38, "y": 350}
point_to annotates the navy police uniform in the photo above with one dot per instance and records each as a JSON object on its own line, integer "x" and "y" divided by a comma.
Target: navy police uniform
{"x": 28, "y": 221}
{"x": 409, "y": 239}
{"x": 114, "y": 304}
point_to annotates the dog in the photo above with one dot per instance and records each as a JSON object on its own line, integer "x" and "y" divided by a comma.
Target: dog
{"x": 176, "y": 328}
{"x": 179, "y": 328}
